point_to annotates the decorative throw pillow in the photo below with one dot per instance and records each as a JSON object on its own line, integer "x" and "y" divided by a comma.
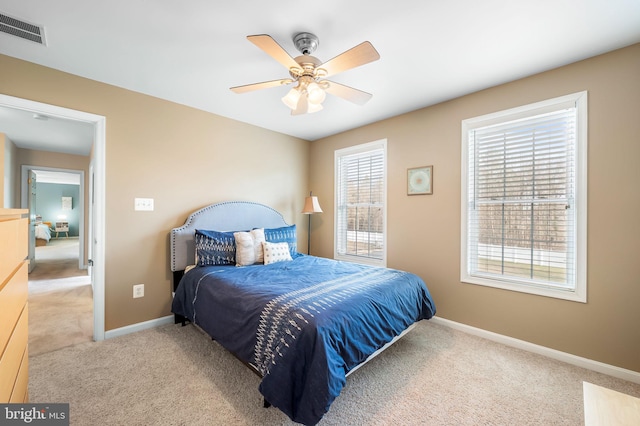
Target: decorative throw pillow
{"x": 275, "y": 252}
{"x": 215, "y": 248}
{"x": 285, "y": 234}
{"x": 249, "y": 247}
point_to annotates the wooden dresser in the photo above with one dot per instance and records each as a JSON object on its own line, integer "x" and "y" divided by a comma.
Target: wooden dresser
{"x": 14, "y": 375}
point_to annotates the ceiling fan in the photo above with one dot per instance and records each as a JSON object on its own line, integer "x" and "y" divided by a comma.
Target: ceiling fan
{"x": 309, "y": 72}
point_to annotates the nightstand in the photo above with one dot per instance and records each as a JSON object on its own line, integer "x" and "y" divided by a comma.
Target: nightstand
{"x": 62, "y": 227}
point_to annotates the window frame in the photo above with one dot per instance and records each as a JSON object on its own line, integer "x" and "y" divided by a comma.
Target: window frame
{"x": 579, "y": 292}
{"x": 348, "y": 151}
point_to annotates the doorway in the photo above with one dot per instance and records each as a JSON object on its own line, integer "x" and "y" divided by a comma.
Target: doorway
{"x": 96, "y": 212}
{"x": 60, "y": 289}
{"x": 49, "y": 183}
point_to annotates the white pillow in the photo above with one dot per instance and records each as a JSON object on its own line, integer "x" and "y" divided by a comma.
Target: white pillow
{"x": 276, "y": 252}
{"x": 249, "y": 247}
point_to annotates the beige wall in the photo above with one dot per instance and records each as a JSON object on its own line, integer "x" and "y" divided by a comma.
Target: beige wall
{"x": 424, "y": 231}
{"x": 7, "y": 167}
{"x": 181, "y": 157}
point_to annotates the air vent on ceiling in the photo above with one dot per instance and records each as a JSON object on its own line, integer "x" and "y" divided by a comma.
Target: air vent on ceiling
{"x": 22, "y": 29}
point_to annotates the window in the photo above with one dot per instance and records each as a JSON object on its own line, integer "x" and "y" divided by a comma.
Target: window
{"x": 524, "y": 199}
{"x": 360, "y": 192}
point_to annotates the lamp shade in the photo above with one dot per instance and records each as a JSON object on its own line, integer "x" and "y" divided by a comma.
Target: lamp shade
{"x": 311, "y": 205}
{"x": 315, "y": 93}
{"x": 311, "y": 108}
{"x": 291, "y": 99}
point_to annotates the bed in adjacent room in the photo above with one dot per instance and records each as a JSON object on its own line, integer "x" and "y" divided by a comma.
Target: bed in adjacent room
{"x": 302, "y": 323}
{"x": 43, "y": 233}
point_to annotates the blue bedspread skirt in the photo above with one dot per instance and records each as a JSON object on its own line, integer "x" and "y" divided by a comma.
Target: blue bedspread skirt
{"x": 304, "y": 324}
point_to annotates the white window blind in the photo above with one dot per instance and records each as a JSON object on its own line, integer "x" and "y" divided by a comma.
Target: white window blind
{"x": 360, "y": 203}
{"x": 521, "y": 218}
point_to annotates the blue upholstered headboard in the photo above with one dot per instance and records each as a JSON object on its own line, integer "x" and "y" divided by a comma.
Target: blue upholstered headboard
{"x": 227, "y": 216}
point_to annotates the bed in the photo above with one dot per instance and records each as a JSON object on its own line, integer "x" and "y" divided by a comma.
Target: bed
{"x": 43, "y": 233}
{"x": 302, "y": 323}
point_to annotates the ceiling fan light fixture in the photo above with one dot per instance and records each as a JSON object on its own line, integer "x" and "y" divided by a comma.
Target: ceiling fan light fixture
{"x": 305, "y": 98}
{"x": 291, "y": 99}
{"x": 315, "y": 93}
{"x": 311, "y": 107}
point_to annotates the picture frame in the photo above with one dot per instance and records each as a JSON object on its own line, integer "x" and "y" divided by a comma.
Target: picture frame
{"x": 420, "y": 180}
{"x": 67, "y": 203}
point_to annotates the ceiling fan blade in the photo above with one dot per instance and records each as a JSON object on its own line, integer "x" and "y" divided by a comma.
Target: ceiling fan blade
{"x": 264, "y": 85}
{"x": 273, "y": 49}
{"x": 352, "y": 58}
{"x": 349, "y": 93}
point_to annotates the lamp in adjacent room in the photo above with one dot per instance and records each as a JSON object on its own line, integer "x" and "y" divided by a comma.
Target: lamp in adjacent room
{"x": 311, "y": 206}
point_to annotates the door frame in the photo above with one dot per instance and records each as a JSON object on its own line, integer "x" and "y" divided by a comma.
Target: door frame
{"x": 97, "y": 194}
{"x": 25, "y": 168}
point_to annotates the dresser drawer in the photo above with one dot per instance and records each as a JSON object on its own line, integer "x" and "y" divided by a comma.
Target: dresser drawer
{"x": 13, "y": 296}
{"x": 20, "y": 390}
{"x": 12, "y": 357}
{"x": 14, "y": 245}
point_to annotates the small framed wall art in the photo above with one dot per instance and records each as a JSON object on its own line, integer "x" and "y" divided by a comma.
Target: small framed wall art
{"x": 420, "y": 180}
{"x": 67, "y": 203}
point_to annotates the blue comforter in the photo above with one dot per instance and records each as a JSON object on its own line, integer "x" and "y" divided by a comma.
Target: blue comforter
{"x": 304, "y": 324}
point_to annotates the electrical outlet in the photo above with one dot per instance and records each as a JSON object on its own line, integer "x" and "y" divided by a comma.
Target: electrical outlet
{"x": 138, "y": 291}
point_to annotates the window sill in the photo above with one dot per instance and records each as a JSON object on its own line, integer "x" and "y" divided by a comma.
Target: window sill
{"x": 556, "y": 293}
{"x": 361, "y": 260}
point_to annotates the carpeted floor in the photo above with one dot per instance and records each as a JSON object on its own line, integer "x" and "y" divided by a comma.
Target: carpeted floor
{"x": 57, "y": 260}
{"x": 435, "y": 375}
{"x": 60, "y": 298}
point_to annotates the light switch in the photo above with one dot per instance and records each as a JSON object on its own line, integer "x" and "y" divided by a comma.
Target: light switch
{"x": 143, "y": 204}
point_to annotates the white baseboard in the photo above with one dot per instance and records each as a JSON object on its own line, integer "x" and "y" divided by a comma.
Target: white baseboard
{"x": 611, "y": 370}
{"x": 138, "y": 327}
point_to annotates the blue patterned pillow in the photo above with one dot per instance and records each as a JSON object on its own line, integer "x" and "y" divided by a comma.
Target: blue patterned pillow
{"x": 286, "y": 234}
{"x": 215, "y": 248}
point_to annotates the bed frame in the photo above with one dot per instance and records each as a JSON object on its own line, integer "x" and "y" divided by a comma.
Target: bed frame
{"x": 231, "y": 216}
{"x": 223, "y": 217}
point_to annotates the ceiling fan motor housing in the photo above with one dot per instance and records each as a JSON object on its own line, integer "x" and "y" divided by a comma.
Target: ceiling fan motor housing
{"x": 306, "y": 43}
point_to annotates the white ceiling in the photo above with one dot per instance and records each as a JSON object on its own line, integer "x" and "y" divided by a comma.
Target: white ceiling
{"x": 48, "y": 133}
{"x": 431, "y": 51}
